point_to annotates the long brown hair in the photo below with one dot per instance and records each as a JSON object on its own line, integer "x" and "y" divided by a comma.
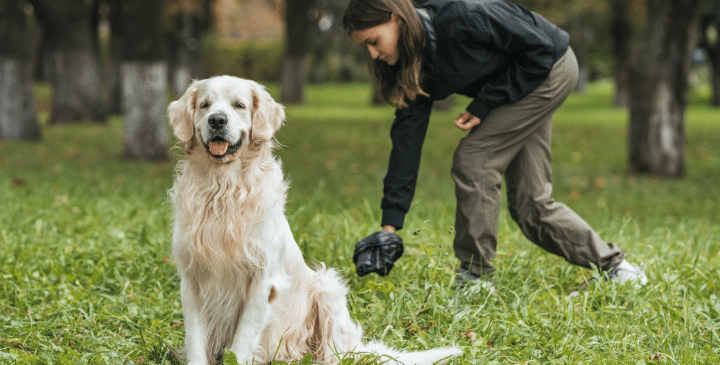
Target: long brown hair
{"x": 398, "y": 84}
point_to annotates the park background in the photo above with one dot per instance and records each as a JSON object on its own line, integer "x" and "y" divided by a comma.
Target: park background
{"x": 86, "y": 159}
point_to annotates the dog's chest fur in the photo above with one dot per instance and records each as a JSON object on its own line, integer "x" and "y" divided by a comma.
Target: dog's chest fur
{"x": 220, "y": 210}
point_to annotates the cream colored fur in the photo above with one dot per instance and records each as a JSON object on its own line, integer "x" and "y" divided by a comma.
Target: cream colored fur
{"x": 244, "y": 283}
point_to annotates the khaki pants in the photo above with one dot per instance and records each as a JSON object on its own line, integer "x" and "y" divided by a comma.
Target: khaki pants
{"x": 514, "y": 140}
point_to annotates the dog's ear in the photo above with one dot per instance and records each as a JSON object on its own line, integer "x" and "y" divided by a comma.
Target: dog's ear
{"x": 267, "y": 115}
{"x": 181, "y": 114}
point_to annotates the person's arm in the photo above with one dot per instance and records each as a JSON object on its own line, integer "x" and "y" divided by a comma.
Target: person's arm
{"x": 407, "y": 135}
{"x": 532, "y": 43}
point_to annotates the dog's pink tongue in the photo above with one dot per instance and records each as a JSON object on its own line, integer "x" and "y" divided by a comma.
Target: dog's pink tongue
{"x": 218, "y": 148}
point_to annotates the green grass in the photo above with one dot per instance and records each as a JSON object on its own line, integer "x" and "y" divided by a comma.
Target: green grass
{"x": 85, "y": 274}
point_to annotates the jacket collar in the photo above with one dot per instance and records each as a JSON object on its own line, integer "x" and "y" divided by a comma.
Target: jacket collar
{"x": 431, "y": 45}
{"x": 429, "y": 30}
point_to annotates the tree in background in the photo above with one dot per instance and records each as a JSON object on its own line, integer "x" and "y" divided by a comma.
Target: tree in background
{"x": 111, "y": 13}
{"x": 71, "y": 59}
{"x": 621, "y": 32}
{"x": 585, "y": 21}
{"x": 189, "y": 21}
{"x": 710, "y": 41}
{"x": 143, "y": 76}
{"x": 298, "y": 22}
{"x": 658, "y": 88}
{"x": 18, "y": 115}
{"x": 184, "y": 25}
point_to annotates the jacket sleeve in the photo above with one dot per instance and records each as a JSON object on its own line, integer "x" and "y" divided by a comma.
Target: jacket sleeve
{"x": 531, "y": 42}
{"x": 407, "y": 135}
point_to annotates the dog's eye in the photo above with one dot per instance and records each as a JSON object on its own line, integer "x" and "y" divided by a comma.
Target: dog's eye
{"x": 238, "y": 105}
{"x": 204, "y": 105}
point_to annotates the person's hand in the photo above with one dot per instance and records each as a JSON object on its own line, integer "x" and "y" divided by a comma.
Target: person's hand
{"x": 466, "y": 121}
{"x": 377, "y": 253}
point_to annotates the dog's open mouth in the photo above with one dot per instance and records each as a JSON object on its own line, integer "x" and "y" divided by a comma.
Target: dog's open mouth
{"x": 218, "y": 147}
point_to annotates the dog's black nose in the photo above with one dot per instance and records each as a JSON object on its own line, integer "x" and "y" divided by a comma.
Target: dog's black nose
{"x": 217, "y": 121}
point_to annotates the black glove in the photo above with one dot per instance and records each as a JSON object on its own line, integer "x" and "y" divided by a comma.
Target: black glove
{"x": 377, "y": 253}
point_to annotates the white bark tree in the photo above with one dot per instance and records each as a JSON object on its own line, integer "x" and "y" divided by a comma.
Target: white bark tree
{"x": 143, "y": 77}
{"x": 295, "y": 65}
{"x": 71, "y": 59}
{"x": 18, "y": 114}
{"x": 658, "y": 88}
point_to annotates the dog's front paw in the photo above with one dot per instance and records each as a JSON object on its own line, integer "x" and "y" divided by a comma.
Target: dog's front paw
{"x": 233, "y": 357}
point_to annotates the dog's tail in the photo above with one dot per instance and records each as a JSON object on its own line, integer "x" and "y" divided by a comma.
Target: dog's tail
{"x": 389, "y": 356}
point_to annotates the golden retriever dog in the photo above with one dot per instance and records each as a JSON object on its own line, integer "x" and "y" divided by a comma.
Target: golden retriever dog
{"x": 244, "y": 284}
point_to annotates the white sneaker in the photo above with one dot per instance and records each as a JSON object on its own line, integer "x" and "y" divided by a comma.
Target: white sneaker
{"x": 622, "y": 273}
{"x": 627, "y": 272}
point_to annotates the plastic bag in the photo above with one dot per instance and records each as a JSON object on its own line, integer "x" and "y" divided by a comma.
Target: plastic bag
{"x": 377, "y": 253}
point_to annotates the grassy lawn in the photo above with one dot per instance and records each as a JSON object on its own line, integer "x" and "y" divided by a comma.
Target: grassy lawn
{"x": 86, "y": 275}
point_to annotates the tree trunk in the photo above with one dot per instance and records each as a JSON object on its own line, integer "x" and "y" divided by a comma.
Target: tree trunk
{"x": 73, "y": 61}
{"x": 292, "y": 83}
{"x": 114, "y": 49}
{"x": 143, "y": 77}
{"x": 144, "y": 100}
{"x": 710, "y": 41}
{"x": 715, "y": 101}
{"x": 579, "y": 35}
{"x": 76, "y": 87}
{"x": 621, "y": 33}
{"x": 18, "y": 114}
{"x": 294, "y": 70}
{"x": 659, "y": 84}
{"x": 185, "y": 61}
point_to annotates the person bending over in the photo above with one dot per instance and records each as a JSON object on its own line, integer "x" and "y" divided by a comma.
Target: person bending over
{"x": 518, "y": 68}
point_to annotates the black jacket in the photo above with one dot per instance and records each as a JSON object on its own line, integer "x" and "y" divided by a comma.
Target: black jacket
{"x": 493, "y": 51}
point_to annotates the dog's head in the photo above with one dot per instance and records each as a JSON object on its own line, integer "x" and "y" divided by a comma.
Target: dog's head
{"x": 224, "y": 114}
